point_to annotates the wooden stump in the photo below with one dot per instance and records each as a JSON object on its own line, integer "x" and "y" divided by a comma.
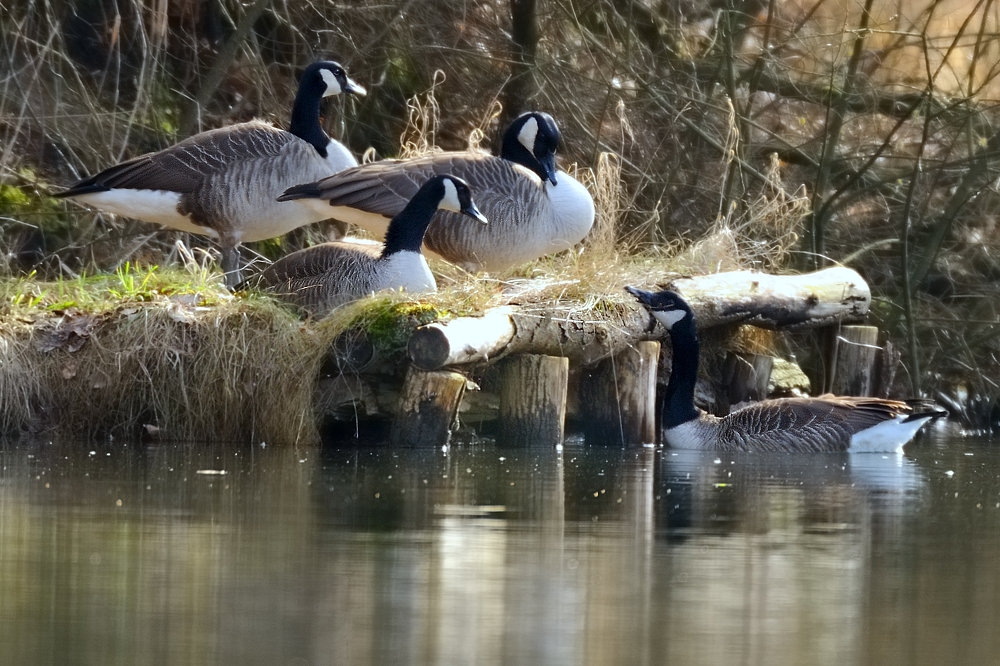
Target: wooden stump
{"x": 533, "y": 400}
{"x": 747, "y": 376}
{"x": 428, "y": 403}
{"x": 351, "y": 351}
{"x": 854, "y": 360}
{"x": 618, "y": 398}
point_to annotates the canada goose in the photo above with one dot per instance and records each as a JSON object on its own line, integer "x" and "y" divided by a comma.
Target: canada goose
{"x": 825, "y": 423}
{"x": 533, "y": 210}
{"x": 224, "y": 183}
{"x": 321, "y": 277}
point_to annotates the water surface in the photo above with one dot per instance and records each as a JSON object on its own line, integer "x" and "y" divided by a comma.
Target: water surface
{"x": 132, "y": 554}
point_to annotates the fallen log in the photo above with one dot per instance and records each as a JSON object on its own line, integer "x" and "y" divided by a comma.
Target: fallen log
{"x": 810, "y": 300}
{"x": 588, "y": 335}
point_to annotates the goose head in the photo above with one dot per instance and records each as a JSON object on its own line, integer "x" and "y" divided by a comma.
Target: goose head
{"x": 667, "y": 307}
{"x": 457, "y": 197}
{"x": 326, "y": 78}
{"x": 531, "y": 141}
{"x": 442, "y": 192}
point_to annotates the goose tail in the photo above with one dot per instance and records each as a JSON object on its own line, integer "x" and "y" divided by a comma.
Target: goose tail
{"x": 305, "y": 191}
{"x": 82, "y": 188}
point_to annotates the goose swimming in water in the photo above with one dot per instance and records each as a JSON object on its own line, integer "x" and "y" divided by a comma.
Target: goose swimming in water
{"x": 319, "y": 278}
{"x": 224, "y": 183}
{"x": 533, "y": 209}
{"x": 824, "y": 423}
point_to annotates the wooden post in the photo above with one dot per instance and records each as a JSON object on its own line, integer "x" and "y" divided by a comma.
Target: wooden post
{"x": 533, "y": 400}
{"x": 854, "y": 360}
{"x": 428, "y": 403}
{"x": 747, "y": 376}
{"x": 886, "y": 363}
{"x": 618, "y": 398}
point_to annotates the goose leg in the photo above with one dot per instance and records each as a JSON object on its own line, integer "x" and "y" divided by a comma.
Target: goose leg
{"x": 231, "y": 266}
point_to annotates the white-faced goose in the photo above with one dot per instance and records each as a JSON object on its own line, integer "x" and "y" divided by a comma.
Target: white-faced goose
{"x": 533, "y": 209}
{"x": 825, "y": 423}
{"x": 319, "y": 278}
{"x": 224, "y": 183}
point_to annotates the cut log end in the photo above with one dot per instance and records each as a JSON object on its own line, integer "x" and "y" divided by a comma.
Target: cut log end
{"x": 429, "y": 348}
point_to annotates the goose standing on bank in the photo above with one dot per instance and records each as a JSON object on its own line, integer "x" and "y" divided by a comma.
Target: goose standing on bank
{"x": 826, "y": 423}
{"x": 224, "y": 183}
{"x": 321, "y": 277}
{"x": 533, "y": 209}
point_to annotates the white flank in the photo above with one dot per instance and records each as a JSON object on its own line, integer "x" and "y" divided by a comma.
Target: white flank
{"x": 888, "y": 436}
{"x": 688, "y": 436}
{"x": 527, "y": 135}
{"x": 373, "y": 223}
{"x": 668, "y": 319}
{"x": 332, "y": 84}
{"x": 450, "y": 200}
{"x": 408, "y": 270}
{"x": 157, "y": 206}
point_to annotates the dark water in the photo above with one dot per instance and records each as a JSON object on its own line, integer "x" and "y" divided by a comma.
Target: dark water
{"x": 116, "y": 554}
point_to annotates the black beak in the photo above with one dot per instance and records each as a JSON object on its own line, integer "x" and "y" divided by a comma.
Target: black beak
{"x": 549, "y": 164}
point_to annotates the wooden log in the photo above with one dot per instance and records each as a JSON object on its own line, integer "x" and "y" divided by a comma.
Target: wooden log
{"x": 769, "y": 301}
{"x": 854, "y": 361}
{"x": 618, "y": 397}
{"x": 461, "y": 340}
{"x": 533, "y": 400}
{"x": 428, "y": 403}
{"x": 351, "y": 351}
{"x": 810, "y": 300}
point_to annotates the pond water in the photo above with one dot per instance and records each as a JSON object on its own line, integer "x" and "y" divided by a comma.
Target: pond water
{"x": 134, "y": 554}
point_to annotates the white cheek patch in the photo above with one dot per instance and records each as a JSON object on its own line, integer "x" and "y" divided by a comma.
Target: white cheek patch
{"x": 528, "y": 133}
{"x": 450, "y": 200}
{"x": 332, "y": 84}
{"x": 669, "y": 318}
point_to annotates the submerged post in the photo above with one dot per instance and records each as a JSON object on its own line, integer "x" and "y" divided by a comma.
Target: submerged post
{"x": 618, "y": 399}
{"x": 428, "y": 403}
{"x": 533, "y": 400}
{"x": 855, "y": 350}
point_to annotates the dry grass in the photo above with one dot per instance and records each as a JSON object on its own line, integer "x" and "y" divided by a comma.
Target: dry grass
{"x": 174, "y": 359}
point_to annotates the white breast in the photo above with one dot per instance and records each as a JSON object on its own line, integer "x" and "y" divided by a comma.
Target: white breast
{"x": 408, "y": 270}
{"x": 338, "y": 157}
{"x": 572, "y": 211}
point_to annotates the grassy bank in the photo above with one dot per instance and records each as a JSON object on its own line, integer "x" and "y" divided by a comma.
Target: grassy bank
{"x": 171, "y": 354}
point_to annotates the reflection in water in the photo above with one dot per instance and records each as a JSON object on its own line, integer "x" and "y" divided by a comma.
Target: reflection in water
{"x": 119, "y": 554}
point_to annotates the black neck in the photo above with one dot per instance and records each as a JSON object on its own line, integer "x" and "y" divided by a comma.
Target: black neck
{"x": 677, "y": 405}
{"x": 305, "y": 119}
{"x": 406, "y": 230}
{"x": 514, "y": 151}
